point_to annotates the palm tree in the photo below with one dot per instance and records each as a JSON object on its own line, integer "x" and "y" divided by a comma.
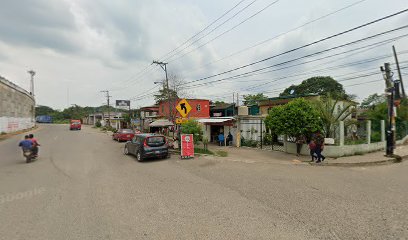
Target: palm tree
{"x": 332, "y": 111}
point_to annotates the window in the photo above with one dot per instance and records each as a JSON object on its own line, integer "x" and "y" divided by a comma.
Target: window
{"x": 198, "y": 107}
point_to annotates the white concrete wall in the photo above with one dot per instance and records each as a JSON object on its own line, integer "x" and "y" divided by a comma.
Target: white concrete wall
{"x": 12, "y": 124}
{"x": 247, "y": 125}
{"x": 346, "y": 150}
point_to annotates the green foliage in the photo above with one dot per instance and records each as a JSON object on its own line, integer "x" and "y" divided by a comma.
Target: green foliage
{"x": 324, "y": 85}
{"x": 43, "y": 110}
{"x": 331, "y": 115}
{"x": 192, "y": 127}
{"x": 380, "y": 112}
{"x": 373, "y": 100}
{"x": 203, "y": 151}
{"x": 98, "y": 124}
{"x": 219, "y": 102}
{"x": 268, "y": 139}
{"x": 221, "y": 153}
{"x": 163, "y": 95}
{"x": 296, "y": 118}
{"x": 252, "y": 99}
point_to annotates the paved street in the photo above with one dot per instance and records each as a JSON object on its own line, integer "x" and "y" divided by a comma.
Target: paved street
{"x": 83, "y": 187}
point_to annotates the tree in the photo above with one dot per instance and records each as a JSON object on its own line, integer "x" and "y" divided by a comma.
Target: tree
{"x": 317, "y": 85}
{"x": 372, "y": 101}
{"x": 192, "y": 127}
{"x": 43, "y": 110}
{"x": 331, "y": 113}
{"x": 252, "y": 99}
{"x": 380, "y": 112}
{"x": 296, "y": 118}
{"x": 177, "y": 90}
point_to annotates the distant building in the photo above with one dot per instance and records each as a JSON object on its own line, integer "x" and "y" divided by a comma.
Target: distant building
{"x": 223, "y": 110}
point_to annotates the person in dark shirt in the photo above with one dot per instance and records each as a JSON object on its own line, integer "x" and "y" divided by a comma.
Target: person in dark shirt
{"x": 26, "y": 144}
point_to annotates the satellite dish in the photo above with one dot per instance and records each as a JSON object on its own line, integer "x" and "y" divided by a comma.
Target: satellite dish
{"x": 292, "y": 92}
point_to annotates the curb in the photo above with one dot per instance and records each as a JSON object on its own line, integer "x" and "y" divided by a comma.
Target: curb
{"x": 393, "y": 159}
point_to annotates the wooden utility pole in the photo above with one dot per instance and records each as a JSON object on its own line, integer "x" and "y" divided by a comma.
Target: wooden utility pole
{"x": 108, "y": 102}
{"x": 163, "y": 65}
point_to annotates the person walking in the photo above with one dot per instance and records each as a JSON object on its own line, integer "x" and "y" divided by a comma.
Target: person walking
{"x": 312, "y": 148}
{"x": 229, "y": 139}
{"x": 221, "y": 139}
{"x": 300, "y": 140}
{"x": 319, "y": 141}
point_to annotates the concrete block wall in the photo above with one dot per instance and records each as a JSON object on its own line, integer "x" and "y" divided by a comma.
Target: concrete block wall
{"x": 17, "y": 107}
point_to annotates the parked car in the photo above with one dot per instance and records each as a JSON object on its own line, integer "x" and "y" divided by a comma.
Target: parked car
{"x": 147, "y": 145}
{"x": 75, "y": 124}
{"x": 123, "y": 135}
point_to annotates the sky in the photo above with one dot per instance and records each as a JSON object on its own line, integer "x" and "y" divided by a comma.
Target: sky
{"x": 79, "y": 48}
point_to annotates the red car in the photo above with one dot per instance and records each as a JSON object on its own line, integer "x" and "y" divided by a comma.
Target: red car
{"x": 123, "y": 135}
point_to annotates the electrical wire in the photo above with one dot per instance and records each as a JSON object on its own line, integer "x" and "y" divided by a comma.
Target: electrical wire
{"x": 304, "y": 46}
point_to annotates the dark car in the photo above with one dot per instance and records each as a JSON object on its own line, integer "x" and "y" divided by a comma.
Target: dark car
{"x": 123, "y": 135}
{"x": 147, "y": 145}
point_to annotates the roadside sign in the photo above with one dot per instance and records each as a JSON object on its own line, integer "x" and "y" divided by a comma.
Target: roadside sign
{"x": 183, "y": 108}
{"x": 187, "y": 146}
{"x": 181, "y": 120}
{"x": 122, "y": 103}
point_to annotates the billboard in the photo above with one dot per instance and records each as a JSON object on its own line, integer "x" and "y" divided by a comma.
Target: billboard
{"x": 122, "y": 103}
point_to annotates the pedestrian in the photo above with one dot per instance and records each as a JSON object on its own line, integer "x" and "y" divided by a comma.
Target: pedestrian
{"x": 312, "y": 147}
{"x": 300, "y": 140}
{"x": 229, "y": 139}
{"x": 221, "y": 139}
{"x": 319, "y": 141}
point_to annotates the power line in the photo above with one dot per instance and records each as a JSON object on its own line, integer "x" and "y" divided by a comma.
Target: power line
{"x": 306, "y": 45}
{"x": 148, "y": 68}
{"x": 296, "y": 59}
{"x": 204, "y": 29}
{"x": 229, "y": 30}
{"x": 283, "y": 34}
{"x": 218, "y": 26}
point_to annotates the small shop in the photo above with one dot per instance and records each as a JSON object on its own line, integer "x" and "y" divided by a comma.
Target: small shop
{"x": 161, "y": 126}
{"x": 212, "y": 127}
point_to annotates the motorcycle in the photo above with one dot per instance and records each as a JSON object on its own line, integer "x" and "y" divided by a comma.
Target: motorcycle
{"x": 29, "y": 155}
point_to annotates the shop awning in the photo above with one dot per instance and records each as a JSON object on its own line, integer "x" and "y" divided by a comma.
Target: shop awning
{"x": 161, "y": 123}
{"x": 215, "y": 120}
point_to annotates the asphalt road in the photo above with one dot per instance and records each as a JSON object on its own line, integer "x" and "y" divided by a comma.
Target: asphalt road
{"x": 83, "y": 187}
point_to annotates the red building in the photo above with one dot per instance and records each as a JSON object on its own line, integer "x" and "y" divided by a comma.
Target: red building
{"x": 200, "y": 108}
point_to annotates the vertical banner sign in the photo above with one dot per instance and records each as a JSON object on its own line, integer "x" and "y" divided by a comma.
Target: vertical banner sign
{"x": 187, "y": 146}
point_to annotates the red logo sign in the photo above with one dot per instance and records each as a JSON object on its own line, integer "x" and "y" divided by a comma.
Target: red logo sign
{"x": 187, "y": 146}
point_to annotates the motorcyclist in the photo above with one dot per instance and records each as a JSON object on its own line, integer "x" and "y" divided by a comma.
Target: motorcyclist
{"x": 35, "y": 144}
{"x": 26, "y": 144}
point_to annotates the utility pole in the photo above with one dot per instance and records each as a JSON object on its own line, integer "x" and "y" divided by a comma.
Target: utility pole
{"x": 108, "y": 101}
{"x": 163, "y": 65}
{"x": 386, "y": 70}
{"x": 32, "y": 74}
{"x": 399, "y": 72}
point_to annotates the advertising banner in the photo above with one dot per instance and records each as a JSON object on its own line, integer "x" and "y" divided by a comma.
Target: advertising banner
{"x": 122, "y": 103}
{"x": 187, "y": 146}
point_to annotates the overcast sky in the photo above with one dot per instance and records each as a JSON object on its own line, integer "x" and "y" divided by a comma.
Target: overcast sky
{"x": 80, "y": 47}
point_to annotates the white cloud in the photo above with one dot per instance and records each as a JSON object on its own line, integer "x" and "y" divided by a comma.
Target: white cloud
{"x": 90, "y": 46}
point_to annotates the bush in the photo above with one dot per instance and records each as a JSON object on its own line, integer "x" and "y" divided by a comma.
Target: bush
{"x": 376, "y": 137}
{"x": 3, "y": 133}
{"x": 192, "y": 127}
{"x": 98, "y": 124}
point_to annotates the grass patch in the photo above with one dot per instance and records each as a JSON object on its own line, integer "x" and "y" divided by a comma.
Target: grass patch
{"x": 222, "y": 153}
{"x": 202, "y": 151}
